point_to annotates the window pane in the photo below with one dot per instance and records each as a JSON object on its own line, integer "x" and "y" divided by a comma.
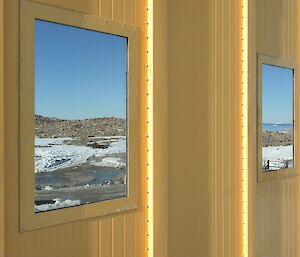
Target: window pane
{"x": 80, "y": 114}
{"x": 277, "y": 118}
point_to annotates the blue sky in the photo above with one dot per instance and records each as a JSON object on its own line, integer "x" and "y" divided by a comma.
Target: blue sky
{"x": 277, "y": 97}
{"x": 79, "y": 73}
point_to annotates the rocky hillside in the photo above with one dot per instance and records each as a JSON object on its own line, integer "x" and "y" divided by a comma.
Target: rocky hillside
{"x": 277, "y": 138}
{"x": 81, "y": 129}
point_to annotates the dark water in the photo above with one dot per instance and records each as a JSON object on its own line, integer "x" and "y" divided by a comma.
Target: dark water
{"x": 276, "y": 127}
{"x": 80, "y": 176}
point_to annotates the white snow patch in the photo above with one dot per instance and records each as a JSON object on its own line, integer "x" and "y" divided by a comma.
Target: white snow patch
{"x": 60, "y": 155}
{"x": 57, "y": 205}
{"x": 277, "y": 155}
{"x": 111, "y": 162}
{"x": 51, "y": 141}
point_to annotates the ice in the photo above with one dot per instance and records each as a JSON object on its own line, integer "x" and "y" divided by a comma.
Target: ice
{"x": 277, "y": 155}
{"x": 51, "y": 141}
{"x": 52, "y": 154}
{"x": 111, "y": 162}
{"x": 115, "y": 147}
{"x": 57, "y": 205}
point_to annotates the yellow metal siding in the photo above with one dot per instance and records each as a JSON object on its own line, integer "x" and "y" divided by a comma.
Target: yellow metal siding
{"x": 273, "y": 205}
{"x": 112, "y": 236}
{"x": 2, "y": 233}
{"x": 204, "y": 78}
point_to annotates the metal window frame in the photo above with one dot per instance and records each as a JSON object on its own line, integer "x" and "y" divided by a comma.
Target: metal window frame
{"x": 28, "y": 218}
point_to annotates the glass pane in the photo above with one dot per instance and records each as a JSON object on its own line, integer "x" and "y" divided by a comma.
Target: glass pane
{"x": 277, "y": 118}
{"x": 80, "y": 116}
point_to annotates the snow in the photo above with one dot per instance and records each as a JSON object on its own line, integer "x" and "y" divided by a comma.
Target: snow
{"x": 50, "y": 141}
{"x": 277, "y": 154}
{"x": 53, "y": 154}
{"x": 48, "y": 188}
{"x": 57, "y": 205}
{"x": 109, "y": 137}
{"x": 111, "y": 162}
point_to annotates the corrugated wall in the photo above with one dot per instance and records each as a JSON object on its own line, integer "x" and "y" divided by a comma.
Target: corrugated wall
{"x": 274, "y": 215}
{"x": 114, "y": 236}
{"x": 204, "y": 78}
{"x": 1, "y": 129}
{"x": 226, "y": 140}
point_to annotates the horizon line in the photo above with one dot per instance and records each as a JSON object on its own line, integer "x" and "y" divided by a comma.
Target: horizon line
{"x": 90, "y": 118}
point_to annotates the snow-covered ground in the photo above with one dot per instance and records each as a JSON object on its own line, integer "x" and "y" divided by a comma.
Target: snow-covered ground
{"x": 277, "y": 155}
{"x": 57, "y": 205}
{"x": 53, "y": 154}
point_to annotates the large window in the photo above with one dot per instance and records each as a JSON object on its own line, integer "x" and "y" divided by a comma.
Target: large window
{"x": 79, "y": 117}
{"x": 276, "y": 112}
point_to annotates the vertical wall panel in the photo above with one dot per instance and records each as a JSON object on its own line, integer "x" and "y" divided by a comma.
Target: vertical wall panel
{"x": 106, "y": 238}
{"x": 27, "y": 244}
{"x": 49, "y": 235}
{"x": 204, "y": 145}
{"x": 121, "y": 235}
{"x": 118, "y": 10}
{"x": 11, "y": 80}
{"x": 225, "y": 37}
{"x": 83, "y": 6}
{"x": 106, "y": 9}
{"x": 130, "y": 11}
{"x": 93, "y": 238}
{"x": 129, "y": 236}
{"x": 80, "y": 239}
{"x": 118, "y": 236}
{"x": 2, "y": 184}
{"x": 274, "y": 206}
{"x": 65, "y": 246}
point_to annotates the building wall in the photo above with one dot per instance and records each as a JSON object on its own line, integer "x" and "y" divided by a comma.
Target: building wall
{"x": 121, "y": 235}
{"x": 273, "y": 205}
{"x": 197, "y": 136}
{"x": 1, "y": 129}
{"x": 204, "y": 132}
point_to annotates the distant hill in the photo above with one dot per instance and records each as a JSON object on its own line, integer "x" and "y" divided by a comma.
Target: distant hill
{"x": 54, "y": 127}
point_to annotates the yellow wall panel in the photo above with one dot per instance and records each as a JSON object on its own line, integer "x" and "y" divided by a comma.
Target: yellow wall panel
{"x": 106, "y": 238}
{"x": 203, "y": 128}
{"x": 118, "y": 236}
{"x": 65, "y": 246}
{"x": 122, "y": 235}
{"x": 84, "y": 6}
{"x": 49, "y": 235}
{"x": 93, "y": 238}
{"x": 118, "y": 10}
{"x": 273, "y": 224}
{"x": 80, "y": 239}
{"x": 129, "y": 236}
{"x": 2, "y": 233}
{"x": 106, "y": 9}
{"x": 129, "y": 11}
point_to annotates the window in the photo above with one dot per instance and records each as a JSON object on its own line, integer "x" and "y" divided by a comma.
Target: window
{"x": 276, "y": 112}
{"x": 79, "y": 129}
{"x": 80, "y": 116}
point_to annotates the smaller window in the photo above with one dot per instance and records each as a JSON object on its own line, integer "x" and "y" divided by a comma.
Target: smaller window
{"x": 276, "y": 112}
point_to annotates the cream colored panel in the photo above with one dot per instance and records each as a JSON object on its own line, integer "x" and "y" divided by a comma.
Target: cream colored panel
{"x": 84, "y": 6}
{"x": 204, "y": 128}
{"x": 88, "y": 238}
{"x": 274, "y": 205}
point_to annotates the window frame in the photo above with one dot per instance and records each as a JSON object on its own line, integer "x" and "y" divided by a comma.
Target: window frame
{"x": 28, "y": 218}
{"x": 284, "y": 63}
